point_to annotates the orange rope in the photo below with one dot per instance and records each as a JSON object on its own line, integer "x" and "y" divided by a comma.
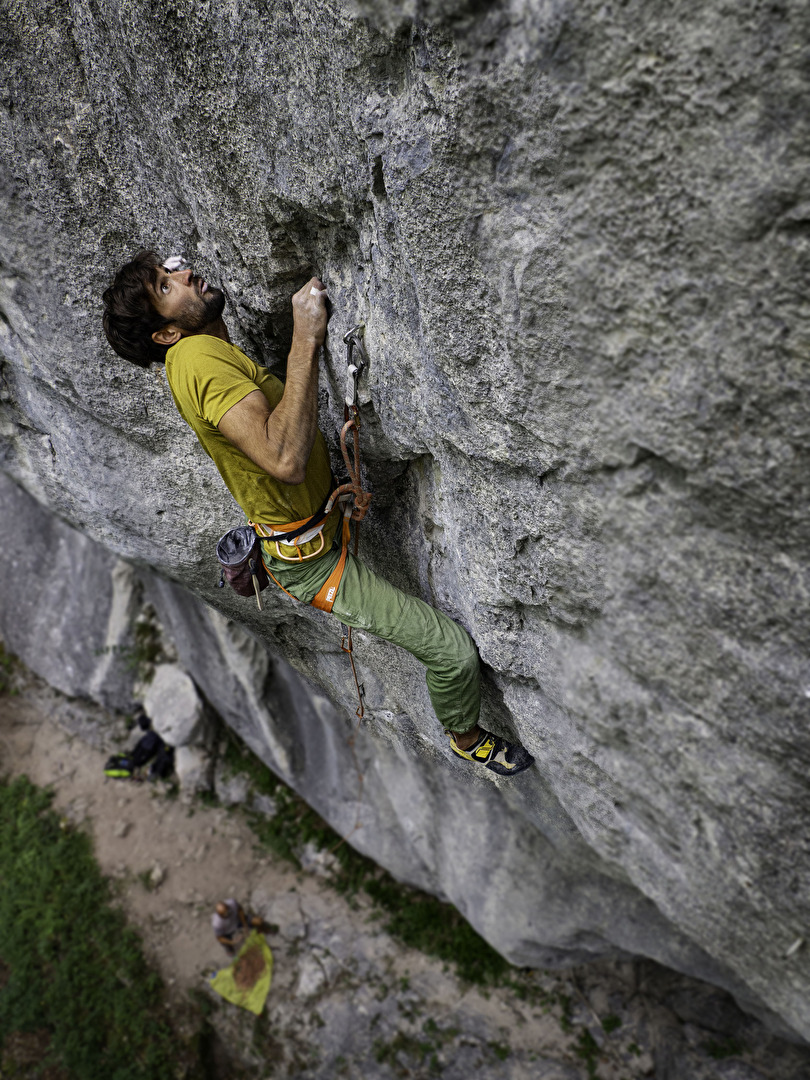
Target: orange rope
{"x": 361, "y": 501}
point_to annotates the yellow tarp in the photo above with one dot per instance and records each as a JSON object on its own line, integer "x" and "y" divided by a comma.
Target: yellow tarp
{"x": 246, "y": 982}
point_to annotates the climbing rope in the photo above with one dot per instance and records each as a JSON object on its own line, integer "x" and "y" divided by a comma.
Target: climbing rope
{"x": 349, "y": 497}
{"x": 361, "y": 500}
{"x": 351, "y": 416}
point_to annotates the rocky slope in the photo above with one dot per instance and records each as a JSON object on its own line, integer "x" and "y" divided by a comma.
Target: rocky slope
{"x": 578, "y": 238}
{"x": 348, "y": 1001}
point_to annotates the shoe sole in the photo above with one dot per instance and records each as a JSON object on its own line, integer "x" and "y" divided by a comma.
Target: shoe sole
{"x": 525, "y": 759}
{"x": 520, "y": 767}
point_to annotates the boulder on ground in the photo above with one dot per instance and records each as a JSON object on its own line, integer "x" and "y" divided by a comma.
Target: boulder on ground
{"x": 231, "y": 788}
{"x": 175, "y": 707}
{"x": 193, "y": 767}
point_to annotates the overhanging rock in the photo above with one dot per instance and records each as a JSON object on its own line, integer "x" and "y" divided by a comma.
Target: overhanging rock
{"x": 544, "y": 898}
{"x": 577, "y": 236}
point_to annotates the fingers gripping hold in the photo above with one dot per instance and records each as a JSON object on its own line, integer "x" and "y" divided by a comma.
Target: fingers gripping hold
{"x": 309, "y": 311}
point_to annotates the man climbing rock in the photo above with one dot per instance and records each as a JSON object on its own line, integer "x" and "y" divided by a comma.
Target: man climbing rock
{"x": 263, "y": 438}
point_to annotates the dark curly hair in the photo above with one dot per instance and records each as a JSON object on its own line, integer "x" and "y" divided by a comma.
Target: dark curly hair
{"x": 129, "y": 317}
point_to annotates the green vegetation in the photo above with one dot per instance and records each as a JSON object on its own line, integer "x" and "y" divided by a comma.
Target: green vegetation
{"x": 420, "y": 1050}
{"x": 239, "y": 759}
{"x": 418, "y": 920}
{"x": 564, "y": 1001}
{"x": 587, "y": 1048}
{"x": 147, "y": 645}
{"x": 500, "y": 1050}
{"x": 415, "y": 918}
{"x": 145, "y": 649}
{"x": 74, "y": 973}
{"x": 146, "y": 879}
{"x": 724, "y": 1048}
{"x": 7, "y": 664}
{"x": 423, "y": 922}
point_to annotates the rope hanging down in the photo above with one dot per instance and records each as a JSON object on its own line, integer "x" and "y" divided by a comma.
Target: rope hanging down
{"x": 349, "y": 497}
{"x": 351, "y": 416}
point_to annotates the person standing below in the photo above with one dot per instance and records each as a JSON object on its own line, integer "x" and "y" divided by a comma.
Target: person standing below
{"x": 264, "y": 439}
{"x": 231, "y": 925}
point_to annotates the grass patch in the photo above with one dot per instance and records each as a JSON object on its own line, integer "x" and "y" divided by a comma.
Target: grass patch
{"x": 724, "y": 1048}
{"x": 73, "y": 969}
{"x": 239, "y": 759}
{"x": 418, "y": 920}
{"x": 587, "y": 1049}
{"x": 425, "y": 923}
{"x": 500, "y": 1050}
{"x": 611, "y": 1024}
{"x": 7, "y": 664}
{"x": 420, "y": 1051}
{"x": 564, "y": 1001}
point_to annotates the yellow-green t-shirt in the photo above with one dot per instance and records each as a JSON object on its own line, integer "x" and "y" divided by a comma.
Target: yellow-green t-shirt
{"x": 207, "y": 376}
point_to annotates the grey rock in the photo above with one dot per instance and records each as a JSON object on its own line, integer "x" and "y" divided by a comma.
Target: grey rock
{"x": 737, "y": 1070}
{"x": 264, "y": 804}
{"x": 406, "y": 789}
{"x": 70, "y": 605}
{"x": 577, "y": 236}
{"x": 316, "y": 861}
{"x": 312, "y": 976}
{"x": 231, "y": 790}
{"x": 194, "y": 768}
{"x": 175, "y": 708}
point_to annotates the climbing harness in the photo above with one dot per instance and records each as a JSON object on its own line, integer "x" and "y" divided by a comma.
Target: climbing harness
{"x": 349, "y": 497}
{"x": 298, "y": 532}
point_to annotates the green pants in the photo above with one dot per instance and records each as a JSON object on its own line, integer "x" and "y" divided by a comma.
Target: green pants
{"x": 368, "y": 602}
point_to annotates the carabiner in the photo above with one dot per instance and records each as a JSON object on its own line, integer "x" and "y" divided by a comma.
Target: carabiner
{"x": 353, "y": 339}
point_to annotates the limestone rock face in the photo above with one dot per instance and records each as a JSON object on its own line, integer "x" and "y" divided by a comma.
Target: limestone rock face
{"x": 577, "y": 235}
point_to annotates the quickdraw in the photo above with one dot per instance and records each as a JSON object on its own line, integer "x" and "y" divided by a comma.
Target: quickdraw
{"x": 350, "y": 496}
{"x": 351, "y": 416}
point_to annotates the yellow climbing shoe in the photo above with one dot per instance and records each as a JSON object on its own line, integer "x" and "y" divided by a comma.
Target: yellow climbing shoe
{"x": 494, "y": 753}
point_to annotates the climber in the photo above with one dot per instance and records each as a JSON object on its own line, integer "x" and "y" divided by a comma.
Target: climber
{"x": 263, "y": 438}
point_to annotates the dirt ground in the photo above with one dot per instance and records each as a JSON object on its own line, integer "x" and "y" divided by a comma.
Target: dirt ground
{"x": 346, "y": 1000}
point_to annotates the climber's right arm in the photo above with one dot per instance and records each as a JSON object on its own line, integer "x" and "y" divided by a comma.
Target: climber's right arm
{"x": 280, "y": 440}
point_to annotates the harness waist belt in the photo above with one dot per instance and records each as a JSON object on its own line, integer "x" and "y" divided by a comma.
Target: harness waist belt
{"x": 325, "y": 596}
{"x": 316, "y": 519}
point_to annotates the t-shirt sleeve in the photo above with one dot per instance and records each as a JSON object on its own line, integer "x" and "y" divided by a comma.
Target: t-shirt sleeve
{"x": 217, "y": 384}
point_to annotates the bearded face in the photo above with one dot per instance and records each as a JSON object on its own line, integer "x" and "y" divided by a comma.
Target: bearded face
{"x": 202, "y": 306}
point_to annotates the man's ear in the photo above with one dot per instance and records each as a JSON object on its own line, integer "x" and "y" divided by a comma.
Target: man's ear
{"x": 168, "y": 335}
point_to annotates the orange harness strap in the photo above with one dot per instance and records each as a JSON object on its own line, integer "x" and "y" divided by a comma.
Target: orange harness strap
{"x": 273, "y": 576}
{"x": 324, "y": 598}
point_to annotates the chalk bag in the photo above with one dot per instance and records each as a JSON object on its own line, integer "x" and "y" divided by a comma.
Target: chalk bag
{"x": 240, "y": 558}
